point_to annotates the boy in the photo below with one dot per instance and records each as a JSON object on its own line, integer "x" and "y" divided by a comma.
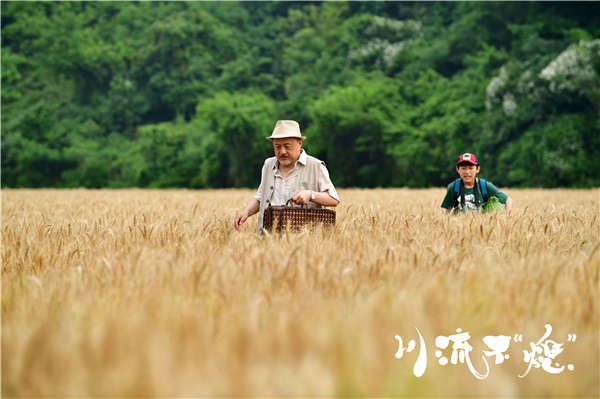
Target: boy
{"x": 469, "y": 193}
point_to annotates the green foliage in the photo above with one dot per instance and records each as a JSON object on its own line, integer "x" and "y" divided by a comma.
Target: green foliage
{"x": 351, "y": 129}
{"x": 108, "y": 162}
{"x": 555, "y": 151}
{"x": 182, "y": 94}
{"x": 493, "y": 204}
{"x": 232, "y": 131}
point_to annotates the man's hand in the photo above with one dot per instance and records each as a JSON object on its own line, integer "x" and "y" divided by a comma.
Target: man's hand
{"x": 252, "y": 207}
{"x": 301, "y": 197}
{"x": 240, "y": 219}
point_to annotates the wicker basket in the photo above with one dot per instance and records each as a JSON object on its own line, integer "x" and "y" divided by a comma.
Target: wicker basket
{"x": 294, "y": 217}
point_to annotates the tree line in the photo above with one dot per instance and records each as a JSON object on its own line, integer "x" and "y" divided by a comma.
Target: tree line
{"x": 182, "y": 94}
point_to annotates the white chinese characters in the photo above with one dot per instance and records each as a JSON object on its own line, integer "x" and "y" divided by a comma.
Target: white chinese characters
{"x": 455, "y": 349}
{"x": 543, "y": 354}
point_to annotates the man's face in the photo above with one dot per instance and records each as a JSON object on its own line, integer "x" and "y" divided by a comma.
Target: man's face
{"x": 287, "y": 150}
{"x": 468, "y": 173}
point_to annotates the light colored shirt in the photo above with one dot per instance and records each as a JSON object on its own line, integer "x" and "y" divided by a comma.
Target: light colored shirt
{"x": 284, "y": 187}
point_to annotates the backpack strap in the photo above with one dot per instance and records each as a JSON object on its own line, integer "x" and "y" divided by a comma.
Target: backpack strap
{"x": 457, "y": 193}
{"x": 483, "y": 189}
{"x": 456, "y": 186}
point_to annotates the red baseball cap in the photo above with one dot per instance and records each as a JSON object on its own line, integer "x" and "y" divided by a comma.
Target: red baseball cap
{"x": 467, "y": 158}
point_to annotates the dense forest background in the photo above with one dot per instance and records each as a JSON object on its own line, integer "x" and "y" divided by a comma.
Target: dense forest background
{"x": 121, "y": 94}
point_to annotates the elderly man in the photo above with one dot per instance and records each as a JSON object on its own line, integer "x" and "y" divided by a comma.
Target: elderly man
{"x": 290, "y": 174}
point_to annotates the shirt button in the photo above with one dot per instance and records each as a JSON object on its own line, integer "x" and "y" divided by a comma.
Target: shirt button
{"x": 271, "y": 187}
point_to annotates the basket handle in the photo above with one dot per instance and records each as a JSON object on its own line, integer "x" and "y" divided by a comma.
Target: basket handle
{"x": 291, "y": 204}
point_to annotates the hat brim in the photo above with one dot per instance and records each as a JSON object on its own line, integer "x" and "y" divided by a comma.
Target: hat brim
{"x": 467, "y": 163}
{"x": 271, "y": 137}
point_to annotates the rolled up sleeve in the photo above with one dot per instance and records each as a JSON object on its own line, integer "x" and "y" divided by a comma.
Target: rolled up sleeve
{"x": 259, "y": 192}
{"x": 493, "y": 190}
{"x": 325, "y": 183}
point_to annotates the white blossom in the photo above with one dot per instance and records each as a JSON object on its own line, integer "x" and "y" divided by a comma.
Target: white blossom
{"x": 383, "y": 48}
{"x": 408, "y": 25}
{"x": 509, "y": 104}
{"x": 526, "y": 83}
{"x": 572, "y": 67}
{"x": 493, "y": 88}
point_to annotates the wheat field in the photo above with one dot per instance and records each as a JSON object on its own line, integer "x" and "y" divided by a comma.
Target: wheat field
{"x": 123, "y": 293}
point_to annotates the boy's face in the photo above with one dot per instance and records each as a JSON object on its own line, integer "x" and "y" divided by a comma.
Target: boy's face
{"x": 468, "y": 173}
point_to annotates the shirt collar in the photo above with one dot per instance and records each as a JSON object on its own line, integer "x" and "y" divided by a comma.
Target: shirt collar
{"x": 301, "y": 159}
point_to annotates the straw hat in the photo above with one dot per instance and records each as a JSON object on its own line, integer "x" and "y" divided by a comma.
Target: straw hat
{"x": 286, "y": 128}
